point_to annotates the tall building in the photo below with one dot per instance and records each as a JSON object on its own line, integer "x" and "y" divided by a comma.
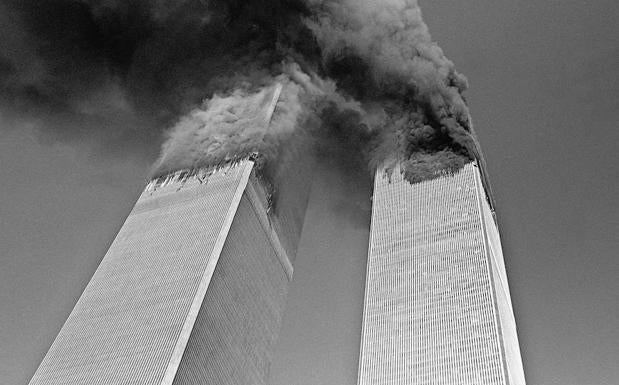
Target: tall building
{"x": 437, "y": 307}
{"x": 192, "y": 289}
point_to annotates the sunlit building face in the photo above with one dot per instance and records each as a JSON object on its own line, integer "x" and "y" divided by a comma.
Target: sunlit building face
{"x": 437, "y": 307}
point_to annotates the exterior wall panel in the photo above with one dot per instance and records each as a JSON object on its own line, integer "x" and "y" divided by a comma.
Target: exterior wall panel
{"x": 124, "y": 327}
{"x": 430, "y": 310}
{"x": 190, "y": 291}
{"x": 242, "y": 309}
{"x": 513, "y": 359}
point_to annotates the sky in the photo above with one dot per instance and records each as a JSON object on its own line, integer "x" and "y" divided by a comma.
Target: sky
{"x": 544, "y": 97}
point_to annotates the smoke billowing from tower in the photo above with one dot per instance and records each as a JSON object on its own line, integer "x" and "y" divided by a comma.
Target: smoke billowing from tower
{"x": 363, "y": 73}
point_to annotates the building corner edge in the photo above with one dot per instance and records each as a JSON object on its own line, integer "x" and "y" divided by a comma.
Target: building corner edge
{"x": 192, "y": 314}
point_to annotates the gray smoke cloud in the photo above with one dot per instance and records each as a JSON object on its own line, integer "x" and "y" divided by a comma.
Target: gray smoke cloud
{"x": 410, "y": 76}
{"x": 285, "y": 111}
{"x": 358, "y": 76}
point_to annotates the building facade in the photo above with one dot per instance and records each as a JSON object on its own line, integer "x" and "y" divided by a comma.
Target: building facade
{"x": 437, "y": 307}
{"x": 191, "y": 291}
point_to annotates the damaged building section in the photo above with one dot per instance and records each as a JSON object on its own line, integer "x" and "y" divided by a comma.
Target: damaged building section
{"x": 199, "y": 258}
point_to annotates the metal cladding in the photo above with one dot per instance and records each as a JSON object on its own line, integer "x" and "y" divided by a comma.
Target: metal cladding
{"x": 191, "y": 291}
{"x": 437, "y": 307}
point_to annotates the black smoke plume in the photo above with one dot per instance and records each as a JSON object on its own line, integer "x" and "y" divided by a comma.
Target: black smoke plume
{"x": 361, "y": 74}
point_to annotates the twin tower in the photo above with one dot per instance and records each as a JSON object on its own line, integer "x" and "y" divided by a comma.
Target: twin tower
{"x": 193, "y": 288}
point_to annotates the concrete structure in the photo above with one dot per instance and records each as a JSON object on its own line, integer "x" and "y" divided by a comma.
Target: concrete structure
{"x": 192, "y": 289}
{"x": 437, "y": 306}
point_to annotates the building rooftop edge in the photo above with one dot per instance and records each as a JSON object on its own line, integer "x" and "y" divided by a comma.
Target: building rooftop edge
{"x": 183, "y": 174}
{"x": 480, "y": 163}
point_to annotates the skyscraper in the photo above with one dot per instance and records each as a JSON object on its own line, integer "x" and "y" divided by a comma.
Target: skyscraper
{"x": 192, "y": 289}
{"x": 437, "y": 307}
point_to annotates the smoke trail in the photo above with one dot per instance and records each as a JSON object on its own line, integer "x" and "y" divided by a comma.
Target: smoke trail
{"x": 388, "y": 43}
{"x": 355, "y": 74}
{"x": 285, "y": 111}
